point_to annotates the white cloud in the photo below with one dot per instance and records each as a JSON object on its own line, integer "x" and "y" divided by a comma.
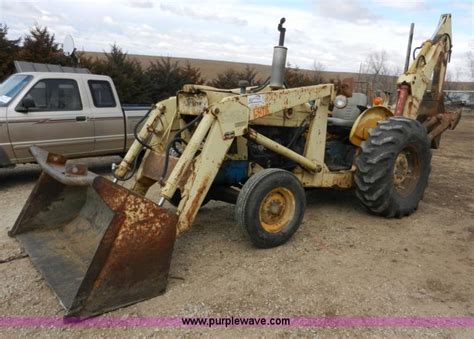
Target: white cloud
{"x": 339, "y": 34}
{"x": 196, "y": 13}
{"x": 108, "y": 20}
{"x": 141, "y": 3}
{"x": 350, "y": 11}
{"x": 409, "y": 5}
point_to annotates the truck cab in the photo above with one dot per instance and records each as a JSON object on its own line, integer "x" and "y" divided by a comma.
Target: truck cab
{"x": 78, "y": 115}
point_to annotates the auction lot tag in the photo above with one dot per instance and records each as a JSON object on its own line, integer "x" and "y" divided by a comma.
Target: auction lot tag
{"x": 256, "y": 100}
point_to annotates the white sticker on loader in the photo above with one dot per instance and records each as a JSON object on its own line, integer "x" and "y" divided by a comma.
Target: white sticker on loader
{"x": 256, "y": 100}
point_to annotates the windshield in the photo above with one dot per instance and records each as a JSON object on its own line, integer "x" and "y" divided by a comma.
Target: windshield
{"x": 12, "y": 86}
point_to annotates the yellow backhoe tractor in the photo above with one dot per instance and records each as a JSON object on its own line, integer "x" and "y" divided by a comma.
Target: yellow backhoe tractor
{"x": 101, "y": 246}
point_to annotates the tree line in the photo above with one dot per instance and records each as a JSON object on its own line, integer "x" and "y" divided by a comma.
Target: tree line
{"x": 162, "y": 78}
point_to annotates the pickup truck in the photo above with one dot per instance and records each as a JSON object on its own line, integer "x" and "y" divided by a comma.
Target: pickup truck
{"x": 78, "y": 115}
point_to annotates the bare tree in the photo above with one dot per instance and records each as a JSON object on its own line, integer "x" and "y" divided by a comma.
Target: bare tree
{"x": 377, "y": 64}
{"x": 317, "y": 77}
{"x": 382, "y": 73}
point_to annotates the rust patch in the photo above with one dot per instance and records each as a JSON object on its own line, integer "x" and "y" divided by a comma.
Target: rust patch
{"x": 101, "y": 247}
{"x": 133, "y": 259}
{"x": 196, "y": 202}
{"x": 58, "y": 159}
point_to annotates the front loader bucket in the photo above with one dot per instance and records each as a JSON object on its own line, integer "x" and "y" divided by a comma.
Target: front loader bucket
{"x": 98, "y": 245}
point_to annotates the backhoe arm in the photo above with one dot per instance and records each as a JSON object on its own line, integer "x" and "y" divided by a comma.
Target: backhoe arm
{"x": 413, "y": 100}
{"x": 431, "y": 61}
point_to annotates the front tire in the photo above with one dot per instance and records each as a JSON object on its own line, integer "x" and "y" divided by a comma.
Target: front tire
{"x": 270, "y": 207}
{"x": 393, "y": 168}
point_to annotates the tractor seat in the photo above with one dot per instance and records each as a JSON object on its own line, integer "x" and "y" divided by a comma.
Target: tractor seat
{"x": 345, "y": 117}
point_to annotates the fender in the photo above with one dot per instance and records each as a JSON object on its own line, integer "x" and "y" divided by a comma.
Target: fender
{"x": 367, "y": 120}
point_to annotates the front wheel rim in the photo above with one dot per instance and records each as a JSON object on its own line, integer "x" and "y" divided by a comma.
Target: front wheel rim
{"x": 277, "y": 209}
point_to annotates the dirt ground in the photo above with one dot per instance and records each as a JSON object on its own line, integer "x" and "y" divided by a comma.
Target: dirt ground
{"x": 341, "y": 262}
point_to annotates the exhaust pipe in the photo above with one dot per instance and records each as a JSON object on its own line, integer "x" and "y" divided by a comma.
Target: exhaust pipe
{"x": 279, "y": 59}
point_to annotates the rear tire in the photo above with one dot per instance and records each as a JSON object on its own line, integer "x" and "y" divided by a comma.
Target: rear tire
{"x": 270, "y": 207}
{"x": 393, "y": 168}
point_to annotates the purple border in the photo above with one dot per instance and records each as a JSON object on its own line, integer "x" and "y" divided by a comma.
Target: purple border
{"x": 176, "y": 322}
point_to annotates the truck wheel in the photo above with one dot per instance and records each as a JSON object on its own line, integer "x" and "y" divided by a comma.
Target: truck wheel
{"x": 270, "y": 207}
{"x": 393, "y": 168}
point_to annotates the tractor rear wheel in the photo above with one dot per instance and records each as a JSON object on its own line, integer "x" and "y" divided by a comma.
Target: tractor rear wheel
{"x": 270, "y": 207}
{"x": 393, "y": 168}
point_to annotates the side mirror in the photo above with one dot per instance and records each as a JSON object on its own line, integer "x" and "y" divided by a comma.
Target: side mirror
{"x": 25, "y": 105}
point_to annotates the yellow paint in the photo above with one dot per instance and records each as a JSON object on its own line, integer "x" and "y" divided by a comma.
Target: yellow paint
{"x": 366, "y": 121}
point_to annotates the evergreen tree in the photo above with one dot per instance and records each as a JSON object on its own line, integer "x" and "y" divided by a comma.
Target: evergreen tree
{"x": 8, "y": 52}
{"x": 127, "y": 74}
{"x": 295, "y": 77}
{"x": 40, "y": 46}
{"x": 230, "y": 78}
{"x": 166, "y": 77}
{"x": 191, "y": 75}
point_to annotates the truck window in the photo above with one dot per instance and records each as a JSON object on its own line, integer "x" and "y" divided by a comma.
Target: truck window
{"x": 12, "y": 86}
{"x": 102, "y": 93}
{"x": 55, "y": 95}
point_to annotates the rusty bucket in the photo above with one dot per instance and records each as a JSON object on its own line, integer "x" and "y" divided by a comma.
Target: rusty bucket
{"x": 98, "y": 245}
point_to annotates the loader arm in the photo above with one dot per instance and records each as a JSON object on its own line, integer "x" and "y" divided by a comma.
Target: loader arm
{"x": 220, "y": 125}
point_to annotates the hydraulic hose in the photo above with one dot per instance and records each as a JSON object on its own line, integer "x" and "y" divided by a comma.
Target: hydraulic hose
{"x": 146, "y": 146}
{"x": 135, "y": 130}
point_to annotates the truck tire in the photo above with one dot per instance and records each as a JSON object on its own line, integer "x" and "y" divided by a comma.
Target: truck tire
{"x": 270, "y": 207}
{"x": 393, "y": 168}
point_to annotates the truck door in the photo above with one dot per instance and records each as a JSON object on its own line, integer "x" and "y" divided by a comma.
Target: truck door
{"x": 51, "y": 115}
{"x": 109, "y": 119}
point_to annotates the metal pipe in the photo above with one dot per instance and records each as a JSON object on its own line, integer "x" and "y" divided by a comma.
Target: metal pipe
{"x": 282, "y": 30}
{"x": 188, "y": 154}
{"x": 282, "y": 150}
{"x": 277, "y": 78}
{"x": 278, "y": 67}
{"x": 410, "y": 40}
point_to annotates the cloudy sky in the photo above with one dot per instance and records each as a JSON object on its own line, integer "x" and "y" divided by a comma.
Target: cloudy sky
{"x": 337, "y": 33}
